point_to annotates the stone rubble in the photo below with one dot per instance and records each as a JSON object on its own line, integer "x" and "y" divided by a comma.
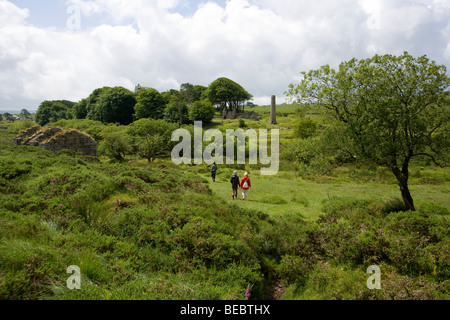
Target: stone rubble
{"x": 57, "y": 139}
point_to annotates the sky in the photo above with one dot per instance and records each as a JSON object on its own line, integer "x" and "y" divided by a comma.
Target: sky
{"x": 64, "y": 49}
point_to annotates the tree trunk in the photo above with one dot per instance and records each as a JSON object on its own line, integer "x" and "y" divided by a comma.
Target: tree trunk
{"x": 402, "y": 179}
{"x": 407, "y": 198}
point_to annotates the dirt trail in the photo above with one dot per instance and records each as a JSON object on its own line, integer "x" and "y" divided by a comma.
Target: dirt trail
{"x": 273, "y": 289}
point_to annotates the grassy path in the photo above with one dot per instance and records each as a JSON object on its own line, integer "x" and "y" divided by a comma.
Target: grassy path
{"x": 276, "y": 195}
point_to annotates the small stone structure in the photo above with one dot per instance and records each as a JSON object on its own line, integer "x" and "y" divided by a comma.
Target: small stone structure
{"x": 273, "y": 111}
{"x": 250, "y": 115}
{"x": 247, "y": 115}
{"x": 229, "y": 114}
{"x": 57, "y": 139}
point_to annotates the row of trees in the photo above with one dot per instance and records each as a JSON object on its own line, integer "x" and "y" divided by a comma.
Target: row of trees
{"x": 119, "y": 105}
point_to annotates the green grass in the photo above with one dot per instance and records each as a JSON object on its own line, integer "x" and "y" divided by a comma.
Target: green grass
{"x": 285, "y": 193}
{"x": 174, "y": 234}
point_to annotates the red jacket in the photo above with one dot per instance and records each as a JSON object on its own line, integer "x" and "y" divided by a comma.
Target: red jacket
{"x": 248, "y": 182}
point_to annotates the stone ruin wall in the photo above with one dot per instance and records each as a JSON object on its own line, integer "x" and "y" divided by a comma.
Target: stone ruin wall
{"x": 57, "y": 139}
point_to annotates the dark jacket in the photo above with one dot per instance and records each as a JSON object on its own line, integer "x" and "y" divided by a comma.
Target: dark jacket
{"x": 234, "y": 182}
{"x": 213, "y": 168}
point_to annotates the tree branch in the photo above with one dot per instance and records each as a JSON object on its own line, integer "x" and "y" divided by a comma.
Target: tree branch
{"x": 443, "y": 165}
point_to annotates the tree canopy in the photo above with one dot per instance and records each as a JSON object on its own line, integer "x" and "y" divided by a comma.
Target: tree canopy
{"x": 393, "y": 108}
{"x": 177, "y": 110}
{"x": 227, "y": 94}
{"x": 201, "y": 111}
{"x": 150, "y": 104}
{"x": 79, "y": 110}
{"x": 112, "y": 105}
{"x": 25, "y": 113}
{"x": 51, "y": 111}
{"x": 91, "y": 101}
{"x": 192, "y": 93}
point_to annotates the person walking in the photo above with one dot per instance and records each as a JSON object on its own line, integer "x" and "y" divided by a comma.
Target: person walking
{"x": 213, "y": 172}
{"x": 234, "y": 185}
{"x": 245, "y": 185}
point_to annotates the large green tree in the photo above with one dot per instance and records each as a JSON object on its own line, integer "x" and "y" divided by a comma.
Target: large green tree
{"x": 51, "y": 111}
{"x": 112, "y": 105}
{"x": 177, "y": 110}
{"x": 150, "y": 104}
{"x": 192, "y": 93}
{"x": 91, "y": 103}
{"x": 393, "y": 108}
{"x": 25, "y": 113}
{"x": 227, "y": 94}
{"x": 67, "y": 103}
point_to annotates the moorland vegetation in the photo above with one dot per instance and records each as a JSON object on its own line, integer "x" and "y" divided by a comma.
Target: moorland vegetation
{"x": 140, "y": 227}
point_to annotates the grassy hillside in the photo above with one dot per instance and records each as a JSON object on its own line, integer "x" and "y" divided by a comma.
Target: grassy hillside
{"x": 160, "y": 231}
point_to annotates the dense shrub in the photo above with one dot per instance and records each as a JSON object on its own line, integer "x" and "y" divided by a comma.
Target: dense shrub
{"x": 294, "y": 269}
{"x": 12, "y": 169}
{"x": 116, "y": 143}
{"x": 202, "y": 111}
{"x": 305, "y": 128}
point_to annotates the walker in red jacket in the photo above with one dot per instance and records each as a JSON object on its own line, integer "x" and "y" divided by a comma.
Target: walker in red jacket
{"x": 245, "y": 185}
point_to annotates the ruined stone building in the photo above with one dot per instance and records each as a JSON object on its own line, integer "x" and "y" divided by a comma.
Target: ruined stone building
{"x": 57, "y": 139}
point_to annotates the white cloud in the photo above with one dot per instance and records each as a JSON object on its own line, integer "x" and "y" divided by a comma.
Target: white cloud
{"x": 260, "y": 44}
{"x": 10, "y": 15}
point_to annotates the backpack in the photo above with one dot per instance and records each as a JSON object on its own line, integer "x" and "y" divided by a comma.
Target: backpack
{"x": 245, "y": 186}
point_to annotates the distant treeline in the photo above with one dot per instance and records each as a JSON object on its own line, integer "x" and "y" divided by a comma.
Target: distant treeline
{"x": 120, "y": 105}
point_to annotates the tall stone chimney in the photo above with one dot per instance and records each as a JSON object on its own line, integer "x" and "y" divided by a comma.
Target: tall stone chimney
{"x": 273, "y": 111}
